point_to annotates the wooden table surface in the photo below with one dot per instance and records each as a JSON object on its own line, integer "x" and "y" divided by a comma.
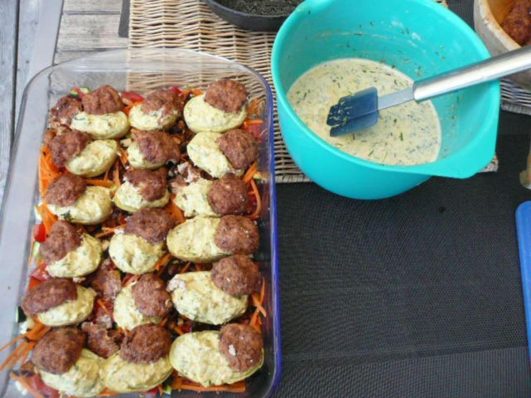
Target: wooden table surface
{"x": 36, "y": 33}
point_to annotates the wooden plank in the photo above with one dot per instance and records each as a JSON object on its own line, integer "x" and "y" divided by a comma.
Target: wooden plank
{"x": 93, "y": 6}
{"x": 8, "y": 59}
{"x": 28, "y": 22}
{"x": 63, "y": 56}
{"x": 88, "y": 32}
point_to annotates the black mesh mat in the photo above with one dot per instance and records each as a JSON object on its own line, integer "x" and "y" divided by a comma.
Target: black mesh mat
{"x": 418, "y": 295}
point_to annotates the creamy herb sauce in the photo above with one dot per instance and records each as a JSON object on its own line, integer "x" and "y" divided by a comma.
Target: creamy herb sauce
{"x": 404, "y": 135}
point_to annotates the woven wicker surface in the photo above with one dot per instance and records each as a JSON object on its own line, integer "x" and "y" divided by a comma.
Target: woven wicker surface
{"x": 191, "y": 24}
{"x": 515, "y": 98}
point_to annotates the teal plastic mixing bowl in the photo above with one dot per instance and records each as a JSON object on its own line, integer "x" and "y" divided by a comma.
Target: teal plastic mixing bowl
{"x": 421, "y": 38}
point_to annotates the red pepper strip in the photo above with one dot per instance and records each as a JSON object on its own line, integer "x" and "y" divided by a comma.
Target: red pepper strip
{"x": 39, "y": 233}
{"x": 132, "y": 96}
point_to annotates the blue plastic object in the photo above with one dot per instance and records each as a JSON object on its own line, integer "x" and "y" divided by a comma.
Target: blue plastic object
{"x": 420, "y": 38}
{"x": 523, "y": 228}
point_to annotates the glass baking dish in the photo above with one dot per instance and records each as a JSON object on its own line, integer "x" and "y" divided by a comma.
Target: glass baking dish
{"x": 138, "y": 70}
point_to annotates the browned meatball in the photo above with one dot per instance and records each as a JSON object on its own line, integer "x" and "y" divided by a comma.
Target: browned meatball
{"x": 59, "y": 350}
{"x": 146, "y": 344}
{"x": 62, "y": 239}
{"x": 226, "y": 95}
{"x": 67, "y": 146}
{"x": 151, "y": 224}
{"x": 157, "y": 146}
{"x": 102, "y": 341}
{"x": 239, "y": 147}
{"x": 236, "y": 275}
{"x": 228, "y": 195}
{"x": 152, "y": 185}
{"x": 241, "y": 345}
{"x": 103, "y": 100}
{"x": 166, "y": 100}
{"x": 65, "y": 190}
{"x": 106, "y": 280}
{"x": 151, "y": 297}
{"x": 64, "y": 111}
{"x": 237, "y": 235}
{"x": 517, "y": 24}
{"x": 48, "y": 136}
{"x": 48, "y": 294}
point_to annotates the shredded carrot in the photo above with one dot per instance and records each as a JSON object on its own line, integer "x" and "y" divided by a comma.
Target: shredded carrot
{"x": 100, "y": 182}
{"x": 185, "y": 268}
{"x": 178, "y": 383}
{"x": 259, "y": 305}
{"x": 161, "y": 390}
{"x": 101, "y": 304}
{"x": 248, "y": 176}
{"x": 129, "y": 279}
{"x": 194, "y": 91}
{"x": 179, "y": 330}
{"x": 37, "y": 331}
{"x": 262, "y": 291}
{"x": 255, "y": 321}
{"x": 108, "y": 393}
{"x": 14, "y": 341}
{"x": 164, "y": 321}
{"x": 255, "y": 106}
{"x": 163, "y": 261}
{"x": 123, "y": 156}
{"x": 48, "y": 218}
{"x": 26, "y": 385}
{"x": 38, "y": 335}
{"x": 251, "y": 122}
{"x": 106, "y": 231}
{"x": 14, "y": 357}
{"x": 26, "y": 353}
{"x": 48, "y": 172}
{"x": 175, "y": 211}
{"x": 116, "y": 176}
{"x": 258, "y": 210}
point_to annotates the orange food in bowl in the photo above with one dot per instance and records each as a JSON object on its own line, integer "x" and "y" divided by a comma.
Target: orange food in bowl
{"x": 491, "y": 20}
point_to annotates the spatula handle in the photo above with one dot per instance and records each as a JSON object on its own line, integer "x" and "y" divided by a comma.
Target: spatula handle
{"x": 481, "y": 72}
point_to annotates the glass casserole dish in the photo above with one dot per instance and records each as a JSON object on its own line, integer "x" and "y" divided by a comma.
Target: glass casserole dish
{"x": 139, "y": 70}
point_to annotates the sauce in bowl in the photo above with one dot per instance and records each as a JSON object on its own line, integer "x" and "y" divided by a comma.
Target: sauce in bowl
{"x": 407, "y": 134}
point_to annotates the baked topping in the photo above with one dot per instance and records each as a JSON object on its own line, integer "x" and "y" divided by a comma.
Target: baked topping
{"x": 62, "y": 239}
{"x": 48, "y": 294}
{"x": 152, "y": 185}
{"x": 226, "y": 95}
{"x": 103, "y": 100}
{"x": 239, "y": 147}
{"x": 237, "y": 235}
{"x": 146, "y": 344}
{"x": 58, "y": 350}
{"x": 157, "y": 146}
{"x": 65, "y": 190}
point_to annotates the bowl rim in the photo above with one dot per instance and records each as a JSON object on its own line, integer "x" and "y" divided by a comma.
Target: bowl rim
{"x": 492, "y": 97}
{"x": 243, "y": 14}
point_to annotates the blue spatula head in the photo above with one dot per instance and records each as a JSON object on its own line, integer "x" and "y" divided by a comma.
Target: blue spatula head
{"x": 354, "y": 112}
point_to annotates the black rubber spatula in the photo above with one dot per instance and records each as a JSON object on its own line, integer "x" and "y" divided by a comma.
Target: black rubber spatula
{"x": 360, "y": 111}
